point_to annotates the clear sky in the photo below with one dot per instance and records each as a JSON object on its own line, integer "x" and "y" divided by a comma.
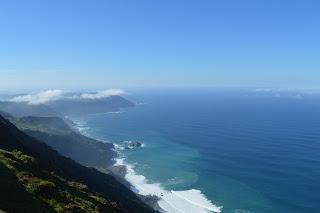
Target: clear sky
{"x": 159, "y": 43}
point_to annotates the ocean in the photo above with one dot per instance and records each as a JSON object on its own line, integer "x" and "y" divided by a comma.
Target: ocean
{"x": 212, "y": 150}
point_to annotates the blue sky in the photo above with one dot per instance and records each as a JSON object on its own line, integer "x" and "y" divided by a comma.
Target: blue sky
{"x": 159, "y": 43}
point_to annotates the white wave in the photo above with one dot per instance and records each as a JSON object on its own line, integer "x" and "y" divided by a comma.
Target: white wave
{"x": 188, "y": 201}
{"x": 118, "y": 147}
{"x": 140, "y": 103}
{"x": 81, "y": 126}
{"x": 82, "y": 129}
{"x": 116, "y": 112}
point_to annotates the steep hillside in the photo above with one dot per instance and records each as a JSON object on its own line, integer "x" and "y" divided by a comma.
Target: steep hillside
{"x": 20, "y": 109}
{"x": 35, "y": 170}
{"x": 34, "y": 189}
{"x": 57, "y": 134}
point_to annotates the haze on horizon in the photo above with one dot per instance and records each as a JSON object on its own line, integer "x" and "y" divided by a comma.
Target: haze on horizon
{"x": 122, "y": 44}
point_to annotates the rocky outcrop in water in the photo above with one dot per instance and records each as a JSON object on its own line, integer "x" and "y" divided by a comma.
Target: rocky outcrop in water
{"x": 134, "y": 144}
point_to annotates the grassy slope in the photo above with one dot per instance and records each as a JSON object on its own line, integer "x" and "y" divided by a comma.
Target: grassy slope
{"x": 38, "y": 190}
{"x": 57, "y": 134}
{"x": 59, "y": 170}
{"x": 14, "y": 197}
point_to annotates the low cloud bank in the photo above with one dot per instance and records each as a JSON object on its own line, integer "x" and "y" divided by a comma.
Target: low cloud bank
{"x": 102, "y": 94}
{"x": 288, "y": 93}
{"x": 39, "y": 98}
{"x": 44, "y": 97}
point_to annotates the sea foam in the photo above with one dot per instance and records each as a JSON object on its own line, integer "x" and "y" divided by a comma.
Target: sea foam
{"x": 81, "y": 126}
{"x": 188, "y": 201}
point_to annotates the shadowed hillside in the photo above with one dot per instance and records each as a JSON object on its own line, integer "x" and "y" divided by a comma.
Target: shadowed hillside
{"x": 68, "y": 142}
{"x": 54, "y": 182}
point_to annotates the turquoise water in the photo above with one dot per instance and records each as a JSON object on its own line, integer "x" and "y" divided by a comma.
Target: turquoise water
{"x": 245, "y": 151}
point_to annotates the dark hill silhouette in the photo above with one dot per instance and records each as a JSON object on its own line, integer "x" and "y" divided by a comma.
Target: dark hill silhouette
{"x": 49, "y": 161}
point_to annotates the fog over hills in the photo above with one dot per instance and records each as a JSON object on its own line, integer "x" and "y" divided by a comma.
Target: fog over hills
{"x": 58, "y": 103}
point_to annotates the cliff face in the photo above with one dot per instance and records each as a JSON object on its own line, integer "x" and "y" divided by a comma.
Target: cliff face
{"x": 47, "y": 181}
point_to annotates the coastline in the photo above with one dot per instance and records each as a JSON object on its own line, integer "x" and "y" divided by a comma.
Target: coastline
{"x": 118, "y": 171}
{"x": 163, "y": 200}
{"x": 153, "y": 194}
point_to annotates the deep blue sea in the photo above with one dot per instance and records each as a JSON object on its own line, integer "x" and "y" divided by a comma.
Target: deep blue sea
{"x": 245, "y": 151}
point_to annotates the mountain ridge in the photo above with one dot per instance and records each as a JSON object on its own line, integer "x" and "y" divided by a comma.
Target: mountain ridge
{"x": 67, "y": 106}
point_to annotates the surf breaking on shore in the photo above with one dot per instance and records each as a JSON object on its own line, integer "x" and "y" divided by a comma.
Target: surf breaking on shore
{"x": 188, "y": 201}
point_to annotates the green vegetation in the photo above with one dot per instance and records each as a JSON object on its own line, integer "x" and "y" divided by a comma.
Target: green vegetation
{"x": 35, "y": 178}
{"x": 56, "y": 133}
{"x": 47, "y": 187}
{"x": 49, "y": 125}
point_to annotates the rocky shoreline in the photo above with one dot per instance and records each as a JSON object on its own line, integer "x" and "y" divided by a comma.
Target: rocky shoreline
{"x": 119, "y": 172}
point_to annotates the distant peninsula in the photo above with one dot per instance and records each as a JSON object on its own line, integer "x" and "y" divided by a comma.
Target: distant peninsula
{"x": 66, "y": 106}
